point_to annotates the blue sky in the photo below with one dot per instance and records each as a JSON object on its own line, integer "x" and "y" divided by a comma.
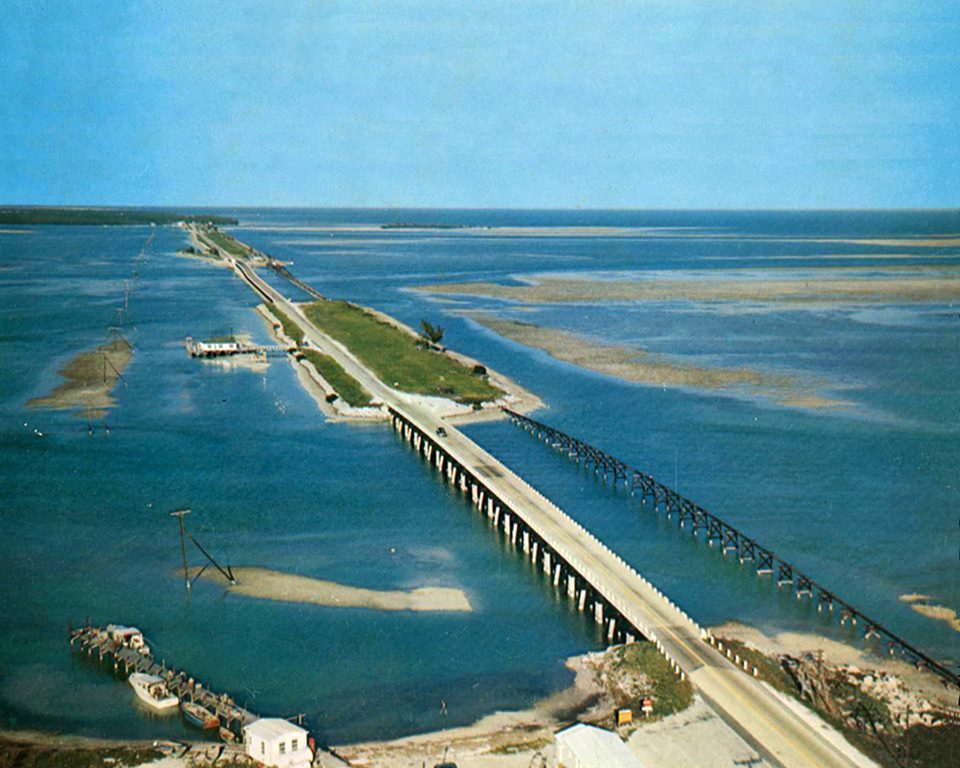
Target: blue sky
{"x": 479, "y": 104}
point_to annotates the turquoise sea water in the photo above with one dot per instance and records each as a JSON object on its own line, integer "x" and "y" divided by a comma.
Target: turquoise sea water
{"x": 864, "y": 498}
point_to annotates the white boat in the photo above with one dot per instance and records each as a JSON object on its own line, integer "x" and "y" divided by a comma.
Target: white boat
{"x": 153, "y": 691}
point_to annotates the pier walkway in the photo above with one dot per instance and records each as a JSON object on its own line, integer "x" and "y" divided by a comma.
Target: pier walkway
{"x": 606, "y": 588}
{"x": 95, "y": 641}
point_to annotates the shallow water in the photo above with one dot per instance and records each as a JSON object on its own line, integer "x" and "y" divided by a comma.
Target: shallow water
{"x": 865, "y": 499}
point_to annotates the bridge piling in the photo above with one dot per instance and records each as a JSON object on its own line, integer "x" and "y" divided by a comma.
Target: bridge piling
{"x": 612, "y": 624}
{"x": 666, "y": 501}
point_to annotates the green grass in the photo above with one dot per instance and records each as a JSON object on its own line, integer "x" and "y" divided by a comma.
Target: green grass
{"x": 863, "y": 705}
{"x": 670, "y": 694}
{"x": 396, "y": 358}
{"x": 224, "y": 242}
{"x": 345, "y": 385}
{"x": 290, "y": 328}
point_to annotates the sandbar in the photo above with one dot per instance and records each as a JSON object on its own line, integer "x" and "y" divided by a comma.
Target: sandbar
{"x": 266, "y": 584}
{"x": 638, "y": 366}
{"x": 90, "y": 379}
{"x": 921, "y": 241}
{"x": 811, "y": 285}
{"x": 838, "y": 257}
{"x": 921, "y": 604}
{"x": 488, "y": 231}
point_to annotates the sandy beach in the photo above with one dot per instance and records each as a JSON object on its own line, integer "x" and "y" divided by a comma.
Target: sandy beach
{"x": 90, "y": 379}
{"x": 266, "y": 584}
{"x": 693, "y": 737}
{"x": 908, "y": 686}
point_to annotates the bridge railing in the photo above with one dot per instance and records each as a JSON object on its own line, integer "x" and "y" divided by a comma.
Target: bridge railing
{"x": 765, "y": 560}
{"x": 573, "y": 562}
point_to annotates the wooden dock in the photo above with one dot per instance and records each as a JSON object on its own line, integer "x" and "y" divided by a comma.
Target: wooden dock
{"x": 98, "y": 642}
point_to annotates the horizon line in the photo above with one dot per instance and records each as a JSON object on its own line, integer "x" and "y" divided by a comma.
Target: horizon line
{"x": 221, "y": 207}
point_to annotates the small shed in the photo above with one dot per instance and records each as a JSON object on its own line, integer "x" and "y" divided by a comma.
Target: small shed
{"x": 586, "y": 746}
{"x": 276, "y": 742}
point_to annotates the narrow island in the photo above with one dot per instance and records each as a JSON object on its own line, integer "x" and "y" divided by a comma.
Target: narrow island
{"x": 345, "y": 353}
{"x": 423, "y": 225}
{"x": 26, "y": 214}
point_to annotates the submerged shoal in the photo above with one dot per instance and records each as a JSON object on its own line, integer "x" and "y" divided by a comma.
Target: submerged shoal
{"x": 267, "y": 584}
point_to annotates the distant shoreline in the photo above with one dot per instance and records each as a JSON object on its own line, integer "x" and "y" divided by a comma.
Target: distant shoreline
{"x": 26, "y": 215}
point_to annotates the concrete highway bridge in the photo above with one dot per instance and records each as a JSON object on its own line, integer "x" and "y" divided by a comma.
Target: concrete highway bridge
{"x": 604, "y": 587}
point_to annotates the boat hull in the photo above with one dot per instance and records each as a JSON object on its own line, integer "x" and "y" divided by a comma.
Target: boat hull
{"x": 199, "y": 717}
{"x": 145, "y": 686}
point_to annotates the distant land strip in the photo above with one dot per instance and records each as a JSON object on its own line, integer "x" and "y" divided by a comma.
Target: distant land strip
{"x": 637, "y": 365}
{"x": 103, "y": 216}
{"x": 890, "y": 284}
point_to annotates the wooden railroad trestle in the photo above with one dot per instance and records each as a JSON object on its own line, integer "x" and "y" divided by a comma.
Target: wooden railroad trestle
{"x": 764, "y": 561}
{"x": 281, "y": 270}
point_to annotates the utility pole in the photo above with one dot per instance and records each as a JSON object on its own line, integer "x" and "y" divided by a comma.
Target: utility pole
{"x": 183, "y": 547}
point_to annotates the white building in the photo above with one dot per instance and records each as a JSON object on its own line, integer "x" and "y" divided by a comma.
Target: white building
{"x": 277, "y": 742}
{"x": 585, "y": 746}
{"x": 214, "y": 348}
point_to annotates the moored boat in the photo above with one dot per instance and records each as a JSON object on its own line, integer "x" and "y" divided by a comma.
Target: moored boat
{"x": 131, "y": 637}
{"x": 199, "y": 715}
{"x": 153, "y": 691}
